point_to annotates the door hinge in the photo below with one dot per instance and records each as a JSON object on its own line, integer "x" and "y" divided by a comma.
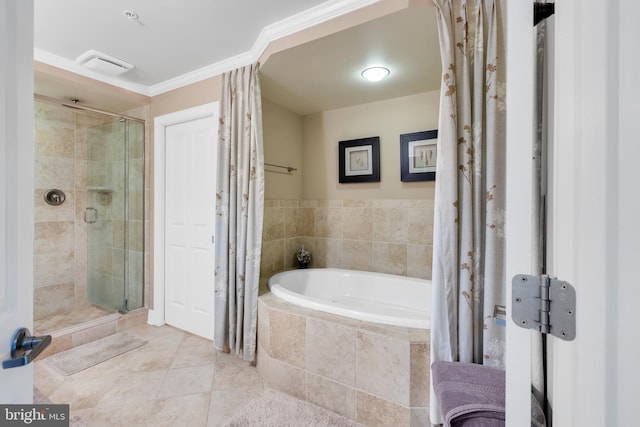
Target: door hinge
{"x": 545, "y": 304}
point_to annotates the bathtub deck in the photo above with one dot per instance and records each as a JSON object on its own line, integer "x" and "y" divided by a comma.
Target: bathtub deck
{"x": 371, "y": 373}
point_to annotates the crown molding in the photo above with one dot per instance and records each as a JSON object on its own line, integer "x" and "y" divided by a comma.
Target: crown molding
{"x": 203, "y": 73}
{"x": 306, "y": 19}
{"x": 291, "y": 25}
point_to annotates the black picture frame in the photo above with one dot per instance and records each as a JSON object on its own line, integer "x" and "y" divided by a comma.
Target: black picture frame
{"x": 359, "y": 160}
{"x": 418, "y": 155}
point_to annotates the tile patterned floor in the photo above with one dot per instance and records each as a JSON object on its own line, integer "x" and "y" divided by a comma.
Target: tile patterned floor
{"x": 177, "y": 379}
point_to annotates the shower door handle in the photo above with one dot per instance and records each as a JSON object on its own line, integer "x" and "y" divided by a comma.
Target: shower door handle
{"x": 25, "y": 348}
{"x": 91, "y": 215}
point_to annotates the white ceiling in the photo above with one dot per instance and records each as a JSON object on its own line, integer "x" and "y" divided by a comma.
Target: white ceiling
{"x": 326, "y": 73}
{"x": 173, "y": 39}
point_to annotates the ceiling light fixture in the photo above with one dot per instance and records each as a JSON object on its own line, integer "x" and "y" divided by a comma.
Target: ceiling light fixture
{"x": 375, "y": 74}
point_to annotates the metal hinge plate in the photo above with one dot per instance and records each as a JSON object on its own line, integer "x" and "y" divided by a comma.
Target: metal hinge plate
{"x": 544, "y": 304}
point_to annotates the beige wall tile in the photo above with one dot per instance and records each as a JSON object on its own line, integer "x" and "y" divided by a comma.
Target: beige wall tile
{"x": 391, "y": 203}
{"x": 419, "y": 417}
{"x": 299, "y": 222}
{"x": 272, "y": 258}
{"x": 328, "y": 253}
{"x": 289, "y": 203}
{"x": 331, "y": 395}
{"x": 383, "y": 367}
{"x": 53, "y": 141}
{"x": 419, "y": 375}
{"x": 390, "y": 258}
{"x": 288, "y": 336}
{"x": 358, "y": 223}
{"x": 328, "y": 222}
{"x": 350, "y": 203}
{"x": 282, "y": 376}
{"x": 54, "y": 172}
{"x": 305, "y": 222}
{"x": 357, "y": 255}
{"x": 53, "y": 268}
{"x": 53, "y": 236}
{"x": 390, "y": 225}
{"x": 373, "y": 411}
{"x": 52, "y": 300}
{"x": 274, "y": 219}
{"x": 264, "y": 326}
{"x": 420, "y": 226}
{"x": 419, "y": 261}
{"x": 331, "y": 351}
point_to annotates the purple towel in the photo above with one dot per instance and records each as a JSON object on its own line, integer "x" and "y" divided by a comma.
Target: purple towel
{"x": 469, "y": 394}
{"x": 472, "y": 395}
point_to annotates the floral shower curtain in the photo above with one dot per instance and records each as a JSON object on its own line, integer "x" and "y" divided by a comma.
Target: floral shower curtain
{"x": 469, "y": 286}
{"x": 239, "y": 212}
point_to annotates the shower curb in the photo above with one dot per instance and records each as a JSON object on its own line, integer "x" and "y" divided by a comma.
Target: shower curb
{"x": 75, "y": 336}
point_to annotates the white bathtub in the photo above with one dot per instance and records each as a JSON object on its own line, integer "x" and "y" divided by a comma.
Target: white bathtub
{"x": 372, "y": 297}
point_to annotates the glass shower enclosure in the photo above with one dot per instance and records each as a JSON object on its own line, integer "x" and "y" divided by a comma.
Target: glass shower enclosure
{"x": 114, "y": 214}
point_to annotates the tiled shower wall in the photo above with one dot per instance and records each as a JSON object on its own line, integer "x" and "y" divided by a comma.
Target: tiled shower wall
{"x": 385, "y": 236}
{"x": 60, "y": 240}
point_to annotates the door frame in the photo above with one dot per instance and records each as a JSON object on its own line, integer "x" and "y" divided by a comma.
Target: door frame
{"x": 521, "y": 50}
{"x": 157, "y": 313}
{"x": 16, "y": 186}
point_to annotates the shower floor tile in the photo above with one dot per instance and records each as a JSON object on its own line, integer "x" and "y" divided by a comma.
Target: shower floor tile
{"x": 175, "y": 379}
{"x": 78, "y": 316}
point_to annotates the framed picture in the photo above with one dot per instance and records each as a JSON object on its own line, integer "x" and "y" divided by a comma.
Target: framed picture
{"x": 418, "y": 155}
{"x": 359, "y": 160}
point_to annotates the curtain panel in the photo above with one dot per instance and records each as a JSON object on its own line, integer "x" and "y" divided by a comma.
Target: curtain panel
{"x": 239, "y": 213}
{"x": 469, "y": 288}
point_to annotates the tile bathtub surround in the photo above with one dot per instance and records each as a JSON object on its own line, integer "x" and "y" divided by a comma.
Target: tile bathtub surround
{"x": 375, "y": 374}
{"x": 384, "y": 236}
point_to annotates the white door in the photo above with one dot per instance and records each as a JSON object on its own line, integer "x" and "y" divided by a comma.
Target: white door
{"x": 189, "y": 213}
{"x": 16, "y": 190}
{"x": 596, "y": 209}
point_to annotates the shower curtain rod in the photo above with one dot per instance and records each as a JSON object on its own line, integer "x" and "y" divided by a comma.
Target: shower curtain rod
{"x": 75, "y": 105}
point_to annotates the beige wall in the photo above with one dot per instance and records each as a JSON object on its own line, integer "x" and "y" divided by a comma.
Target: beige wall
{"x": 387, "y": 119}
{"x": 282, "y": 131}
{"x": 193, "y": 95}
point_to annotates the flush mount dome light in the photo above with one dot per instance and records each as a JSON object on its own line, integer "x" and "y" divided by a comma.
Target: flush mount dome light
{"x": 375, "y": 74}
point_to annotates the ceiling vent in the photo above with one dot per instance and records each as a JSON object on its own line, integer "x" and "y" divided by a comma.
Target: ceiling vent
{"x": 103, "y": 63}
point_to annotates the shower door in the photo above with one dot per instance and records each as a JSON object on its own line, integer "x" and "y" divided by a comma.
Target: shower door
{"x": 114, "y": 214}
